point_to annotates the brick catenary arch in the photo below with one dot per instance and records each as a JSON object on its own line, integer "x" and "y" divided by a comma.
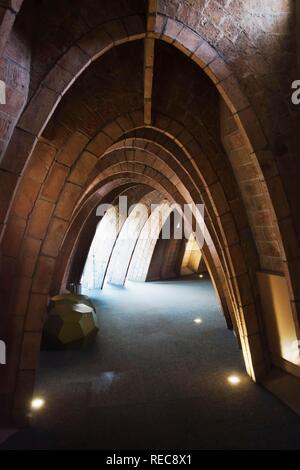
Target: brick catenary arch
{"x": 199, "y": 51}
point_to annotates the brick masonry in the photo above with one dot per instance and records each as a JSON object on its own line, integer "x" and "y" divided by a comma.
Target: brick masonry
{"x": 92, "y": 107}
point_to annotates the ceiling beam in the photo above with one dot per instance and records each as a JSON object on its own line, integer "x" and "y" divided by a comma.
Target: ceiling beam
{"x": 149, "y": 61}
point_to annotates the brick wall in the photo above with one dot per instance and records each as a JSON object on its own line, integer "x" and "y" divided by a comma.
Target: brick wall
{"x": 15, "y": 62}
{"x": 73, "y": 146}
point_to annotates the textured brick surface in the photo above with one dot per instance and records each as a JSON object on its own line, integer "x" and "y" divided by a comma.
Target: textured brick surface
{"x": 15, "y": 72}
{"x": 40, "y": 218}
{"x": 243, "y": 165}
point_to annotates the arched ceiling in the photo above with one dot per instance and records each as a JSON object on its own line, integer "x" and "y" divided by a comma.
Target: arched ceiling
{"x": 110, "y": 87}
{"x": 180, "y": 91}
{"x": 113, "y": 86}
{"x": 127, "y": 93}
{"x": 60, "y": 23}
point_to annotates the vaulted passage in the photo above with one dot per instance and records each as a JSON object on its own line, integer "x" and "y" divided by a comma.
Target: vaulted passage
{"x": 178, "y": 104}
{"x": 150, "y": 240}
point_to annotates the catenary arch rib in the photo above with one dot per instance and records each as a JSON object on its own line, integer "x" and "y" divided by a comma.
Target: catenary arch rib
{"x": 107, "y": 163}
{"x": 189, "y": 53}
{"x": 239, "y": 117}
{"x": 119, "y": 169}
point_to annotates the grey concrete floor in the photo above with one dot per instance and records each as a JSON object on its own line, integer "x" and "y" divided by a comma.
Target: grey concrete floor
{"x": 155, "y": 379}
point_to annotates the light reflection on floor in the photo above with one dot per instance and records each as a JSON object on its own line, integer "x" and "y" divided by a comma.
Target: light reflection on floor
{"x": 156, "y": 379}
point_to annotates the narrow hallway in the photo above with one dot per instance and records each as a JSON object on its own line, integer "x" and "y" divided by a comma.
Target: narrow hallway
{"x": 156, "y": 378}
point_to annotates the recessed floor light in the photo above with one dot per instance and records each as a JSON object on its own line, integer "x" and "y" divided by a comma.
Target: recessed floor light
{"x": 198, "y": 321}
{"x": 234, "y": 380}
{"x": 37, "y": 403}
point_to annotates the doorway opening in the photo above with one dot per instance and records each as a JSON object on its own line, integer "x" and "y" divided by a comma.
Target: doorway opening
{"x": 141, "y": 247}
